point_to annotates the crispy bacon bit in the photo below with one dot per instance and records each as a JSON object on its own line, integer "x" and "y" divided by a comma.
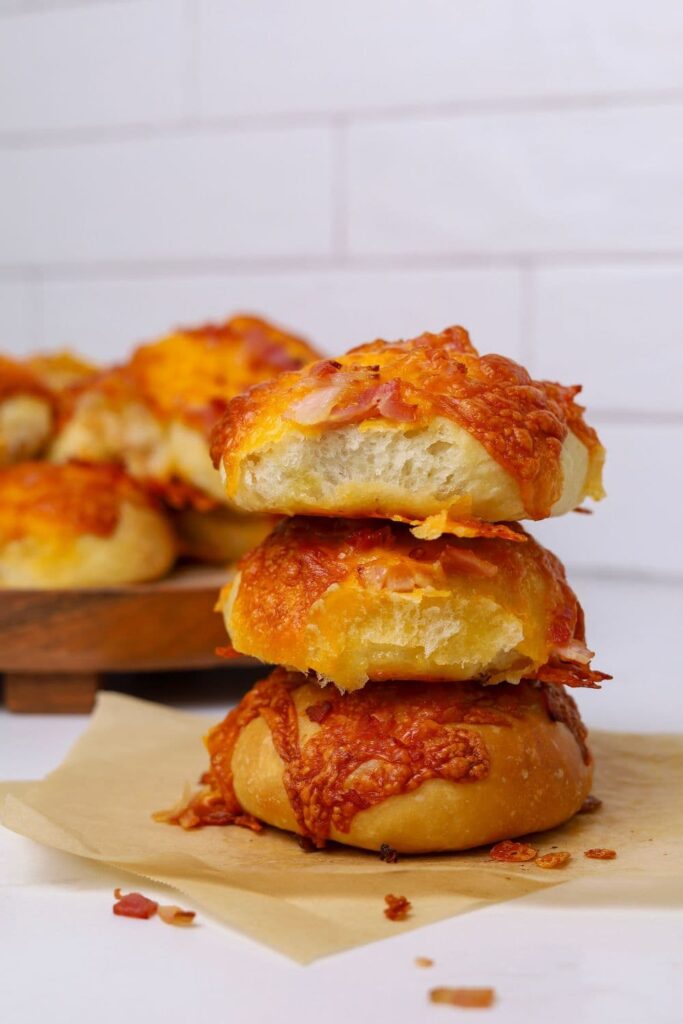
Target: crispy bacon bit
{"x": 388, "y": 854}
{"x": 599, "y": 853}
{"x": 424, "y": 961}
{"x": 571, "y": 674}
{"x": 397, "y": 907}
{"x": 573, "y": 651}
{"x": 316, "y": 406}
{"x": 512, "y": 853}
{"x": 134, "y": 904}
{"x": 227, "y": 652}
{"x": 307, "y": 844}
{"x": 319, "y": 712}
{"x": 174, "y": 915}
{"x": 583, "y": 511}
{"x": 470, "y": 998}
{"x": 205, "y": 808}
{"x": 553, "y": 860}
{"x": 590, "y": 805}
{"x": 462, "y": 560}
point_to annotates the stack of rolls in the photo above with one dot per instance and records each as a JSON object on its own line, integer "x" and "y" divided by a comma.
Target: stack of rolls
{"x": 105, "y": 476}
{"x": 425, "y": 640}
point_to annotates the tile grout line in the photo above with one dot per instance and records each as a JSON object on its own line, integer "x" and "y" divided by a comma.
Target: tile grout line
{"x": 261, "y": 121}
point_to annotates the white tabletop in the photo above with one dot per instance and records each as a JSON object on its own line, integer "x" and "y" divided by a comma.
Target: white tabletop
{"x": 64, "y": 957}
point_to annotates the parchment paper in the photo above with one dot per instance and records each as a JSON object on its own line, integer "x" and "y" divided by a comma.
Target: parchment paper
{"x": 136, "y": 757}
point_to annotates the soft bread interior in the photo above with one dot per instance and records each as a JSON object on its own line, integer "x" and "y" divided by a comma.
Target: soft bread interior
{"x": 376, "y": 466}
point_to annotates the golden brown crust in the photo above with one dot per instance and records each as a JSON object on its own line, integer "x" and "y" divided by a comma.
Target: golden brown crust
{"x": 349, "y": 767}
{"x": 520, "y": 422}
{"x": 38, "y": 499}
{"x": 191, "y": 375}
{"x": 299, "y": 594}
{"x": 17, "y": 379}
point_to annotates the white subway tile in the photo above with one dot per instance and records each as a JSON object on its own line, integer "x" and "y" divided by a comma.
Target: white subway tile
{"x": 260, "y": 56}
{"x": 617, "y": 330}
{"x": 18, "y": 307}
{"x": 94, "y": 65}
{"x": 637, "y": 527}
{"x": 240, "y": 194}
{"x": 564, "y": 181}
{"x": 335, "y": 309}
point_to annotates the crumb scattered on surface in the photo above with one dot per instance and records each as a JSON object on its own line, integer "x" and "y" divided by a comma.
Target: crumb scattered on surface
{"x": 424, "y": 961}
{"x": 175, "y": 915}
{"x": 388, "y": 854}
{"x": 397, "y": 907}
{"x": 554, "y": 860}
{"x": 134, "y": 904}
{"x": 472, "y": 998}
{"x": 599, "y": 853}
{"x": 513, "y": 853}
{"x": 590, "y": 805}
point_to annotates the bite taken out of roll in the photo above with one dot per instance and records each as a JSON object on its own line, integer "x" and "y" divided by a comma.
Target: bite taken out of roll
{"x": 410, "y": 430}
{"x": 79, "y": 526}
{"x": 352, "y": 600}
{"x": 423, "y": 768}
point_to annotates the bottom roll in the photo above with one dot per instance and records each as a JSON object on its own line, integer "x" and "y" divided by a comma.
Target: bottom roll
{"x": 422, "y": 767}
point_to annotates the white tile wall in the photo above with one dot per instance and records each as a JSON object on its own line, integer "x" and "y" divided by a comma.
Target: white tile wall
{"x": 625, "y": 320}
{"x": 94, "y": 65}
{"x": 335, "y": 309}
{"x": 260, "y": 56}
{"x": 637, "y": 527}
{"x": 587, "y": 181}
{"x": 19, "y": 309}
{"x": 246, "y": 194}
{"x": 370, "y": 168}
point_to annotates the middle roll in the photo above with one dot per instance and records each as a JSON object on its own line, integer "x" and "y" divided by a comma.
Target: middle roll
{"x": 353, "y": 600}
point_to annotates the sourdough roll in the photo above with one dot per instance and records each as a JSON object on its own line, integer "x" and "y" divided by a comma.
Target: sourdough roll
{"x": 79, "y": 526}
{"x": 353, "y": 600}
{"x": 26, "y": 412}
{"x": 410, "y": 430}
{"x": 154, "y": 414}
{"x": 421, "y": 767}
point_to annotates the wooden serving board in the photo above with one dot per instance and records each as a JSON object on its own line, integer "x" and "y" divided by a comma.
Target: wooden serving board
{"x": 55, "y": 644}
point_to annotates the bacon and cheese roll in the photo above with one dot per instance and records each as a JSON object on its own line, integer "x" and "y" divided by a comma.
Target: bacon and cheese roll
{"x": 155, "y": 413}
{"x": 410, "y": 430}
{"x": 26, "y": 412}
{"x": 420, "y": 767}
{"x": 353, "y": 600}
{"x": 219, "y": 536}
{"x": 79, "y": 526}
{"x": 60, "y": 370}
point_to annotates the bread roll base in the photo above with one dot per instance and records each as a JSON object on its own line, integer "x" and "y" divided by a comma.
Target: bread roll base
{"x": 538, "y": 776}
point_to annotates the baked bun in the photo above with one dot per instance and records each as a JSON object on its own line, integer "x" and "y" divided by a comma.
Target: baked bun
{"x": 218, "y": 536}
{"x": 79, "y": 526}
{"x": 26, "y": 413}
{"x": 353, "y": 600}
{"x": 422, "y": 768}
{"x": 60, "y": 370}
{"x": 155, "y": 413}
{"x": 412, "y": 430}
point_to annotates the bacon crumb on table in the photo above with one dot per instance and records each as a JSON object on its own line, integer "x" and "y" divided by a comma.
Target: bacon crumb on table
{"x": 397, "y": 907}
{"x": 134, "y": 904}
{"x": 590, "y": 805}
{"x": 512, "y": 853}
{"x": 388, "y": 854}
{"x": 553, "y": 860}
{"x": 471, "y": 998}
{"x": 174, "y": 915}
{"x": 424, "y": 961}
{"x": 599, "y": 853}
